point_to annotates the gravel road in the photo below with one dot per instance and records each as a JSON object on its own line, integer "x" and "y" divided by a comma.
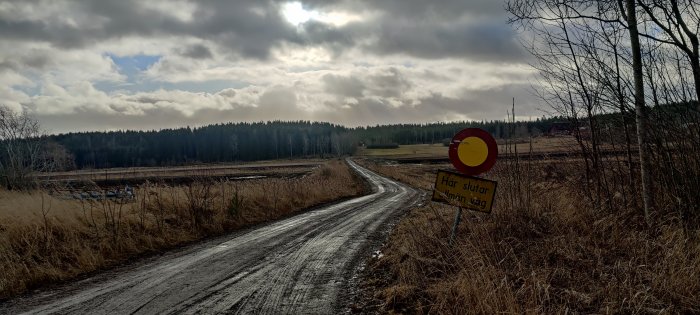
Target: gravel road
{"x": 299, "y": 265}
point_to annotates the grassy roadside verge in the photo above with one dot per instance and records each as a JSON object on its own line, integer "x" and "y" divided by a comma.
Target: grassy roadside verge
{"x": 552, "y": 254}
{"x": 45, "y": 240}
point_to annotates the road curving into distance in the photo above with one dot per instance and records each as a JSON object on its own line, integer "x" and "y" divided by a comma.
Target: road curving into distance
{"x": 299, "y": 265}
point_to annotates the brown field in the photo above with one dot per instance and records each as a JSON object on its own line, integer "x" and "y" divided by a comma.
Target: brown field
{"x": 540, "y": 145}
{"x": 45, "y": 239}
{"x": 177, "y": 174}
{"x": 544, "y": 249}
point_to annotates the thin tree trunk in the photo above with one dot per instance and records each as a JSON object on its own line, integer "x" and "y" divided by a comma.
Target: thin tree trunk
{"x": 695, "y": 65}
{"x": 639, "y": 107}
{"x": 628, "y": 139}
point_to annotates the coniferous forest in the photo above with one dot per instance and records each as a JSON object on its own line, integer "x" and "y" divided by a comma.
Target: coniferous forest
{"x": 257, "y": 141}
{"x": 209, "y": 144}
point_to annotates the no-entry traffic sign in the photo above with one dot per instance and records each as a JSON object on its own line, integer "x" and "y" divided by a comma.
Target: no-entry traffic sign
{"x": 473, "y": 151}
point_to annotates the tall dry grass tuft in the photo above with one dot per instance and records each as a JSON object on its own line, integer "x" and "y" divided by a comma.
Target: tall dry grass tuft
{"x": 554, "y": 252}
{"x": 39, "y": 245}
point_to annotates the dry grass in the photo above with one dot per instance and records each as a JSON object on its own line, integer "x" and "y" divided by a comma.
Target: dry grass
{"x": 65, "y": 238}
{"x": 553, "y": 254}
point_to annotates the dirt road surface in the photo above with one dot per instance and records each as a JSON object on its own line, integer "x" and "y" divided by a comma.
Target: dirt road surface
{"x": 299, "y": 265}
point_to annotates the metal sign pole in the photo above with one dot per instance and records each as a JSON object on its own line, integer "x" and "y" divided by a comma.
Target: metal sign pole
{"x": 458, "y": 217}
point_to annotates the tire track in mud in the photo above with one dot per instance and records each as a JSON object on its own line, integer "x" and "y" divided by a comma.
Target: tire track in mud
{"x": 297, "y": 265}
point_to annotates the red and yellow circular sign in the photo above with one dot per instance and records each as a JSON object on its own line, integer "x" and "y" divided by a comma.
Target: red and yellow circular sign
{"x": 473, "y": 151}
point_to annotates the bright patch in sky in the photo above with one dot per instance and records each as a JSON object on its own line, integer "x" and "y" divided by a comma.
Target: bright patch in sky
{"x": 140, "y": 62}
{"x": 294, "y": 13}
{"x": 133, "y": 66}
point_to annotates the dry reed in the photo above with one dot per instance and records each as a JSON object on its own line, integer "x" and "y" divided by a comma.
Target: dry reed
{"x": 543, "y": 249}
{"x": 56, "y": 240}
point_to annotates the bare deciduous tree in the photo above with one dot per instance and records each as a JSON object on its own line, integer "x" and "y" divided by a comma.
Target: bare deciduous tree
{"x": 24, "y": 150}
{"x": 20, "y": 141}
{"x": 677, "y": 23}
{"x": 612, "y": 58}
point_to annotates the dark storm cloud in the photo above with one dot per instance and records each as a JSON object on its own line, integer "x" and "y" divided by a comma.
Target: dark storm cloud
{"x": 118, "y": 19}
{"x": 251, "y": 28}
{"x": 485, "y": 41}
{"x": 447, "y": 9}
{"x": 315, "y": 32}
{"x": 28, "y": 60}
{"x": 59, "y": 35}
{"x": 196, "y": 52}
{"x": 474, "y": 30}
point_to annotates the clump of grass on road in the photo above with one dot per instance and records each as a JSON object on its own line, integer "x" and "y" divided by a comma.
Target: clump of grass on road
{"x": 554, "y": 254}
{"x": 44, "y": 239}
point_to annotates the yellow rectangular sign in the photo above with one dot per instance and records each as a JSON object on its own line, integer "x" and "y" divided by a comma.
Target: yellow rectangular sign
{"x": 465, "y": 191}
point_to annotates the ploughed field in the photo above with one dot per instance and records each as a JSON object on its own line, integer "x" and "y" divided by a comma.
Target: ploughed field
{"x": 537, "y": 149}
{"x": 106, "y": 178}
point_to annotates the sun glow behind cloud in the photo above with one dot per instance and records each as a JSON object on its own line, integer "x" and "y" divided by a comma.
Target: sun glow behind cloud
{"x": 295, "y": 14}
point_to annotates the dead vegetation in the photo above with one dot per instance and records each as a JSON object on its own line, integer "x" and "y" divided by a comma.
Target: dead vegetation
{"x": 44, "y": 239}
{"x": 275, "y": 168}
{"x": 544, "y": 249}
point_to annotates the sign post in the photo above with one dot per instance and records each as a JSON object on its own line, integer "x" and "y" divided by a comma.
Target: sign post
{"x": 458, "y": 218}
{"x": 472, "y": 151}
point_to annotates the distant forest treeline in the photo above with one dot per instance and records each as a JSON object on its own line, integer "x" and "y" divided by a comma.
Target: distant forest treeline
{"x": 209, "y": 144}
{"x": 403, "y": 134}
{"x": 259, "y": 141}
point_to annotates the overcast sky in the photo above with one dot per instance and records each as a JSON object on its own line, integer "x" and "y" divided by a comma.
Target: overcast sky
{"x": 107, "y": 65}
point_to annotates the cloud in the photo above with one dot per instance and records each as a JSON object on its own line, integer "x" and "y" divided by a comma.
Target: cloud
{"x": 390, "y": 83}
{"x": 347, "y": 94}
{"x": 252, "y": 29}
{"x": 343, "y": 86}
{"x": 13, "y": 98}
{"x": 354, "y": 62}
{"x": 483, "y": 41}
{"x": 197, "y": 51}
{"x": 474, "y": 30}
